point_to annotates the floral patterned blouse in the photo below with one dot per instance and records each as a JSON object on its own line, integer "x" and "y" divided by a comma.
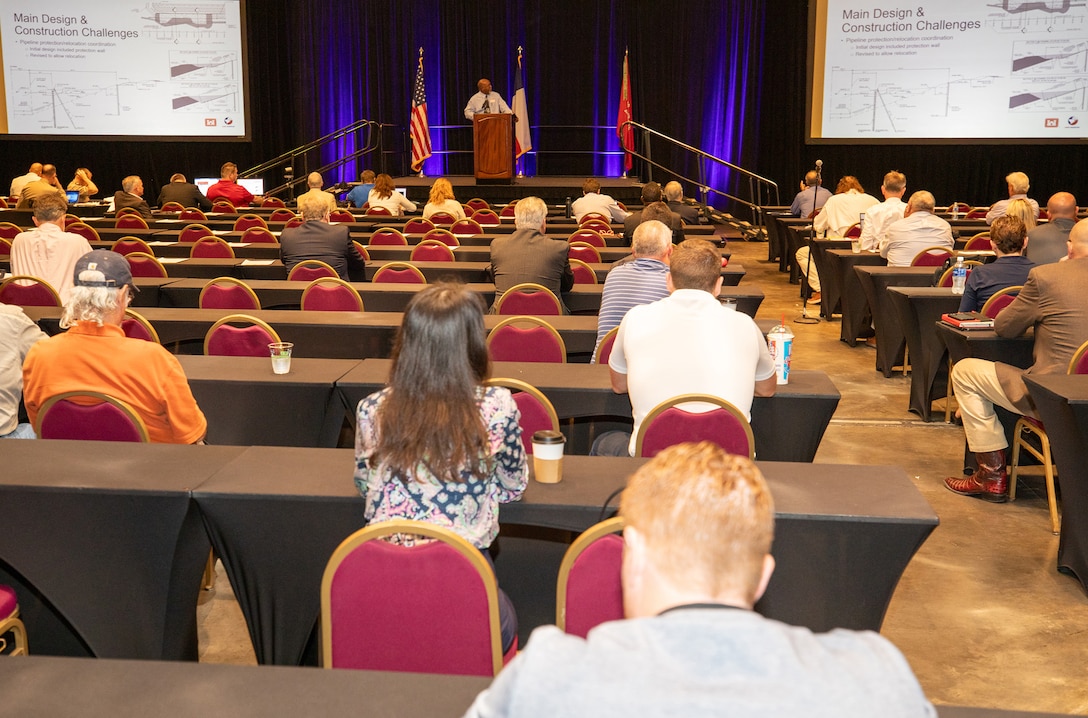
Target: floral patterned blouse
{"x": 471, "y": 507}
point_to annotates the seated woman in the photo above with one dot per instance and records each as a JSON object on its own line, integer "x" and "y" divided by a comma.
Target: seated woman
{"x": 385, "y": 194}
{"x": 436, "y": 445}
{"x": 442, "y": 200}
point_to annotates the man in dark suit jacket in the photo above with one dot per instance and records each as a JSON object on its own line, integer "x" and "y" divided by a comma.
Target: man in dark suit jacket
{"x": 1052, "y": 301}
{"x": 131, "y": 194}
{"x": 651, "y": 193}
{"x": 674, "y": 197}
{"x": 527, "y": 255}
{"x": 315, "y": 238}
{"x": 184, "y": 193}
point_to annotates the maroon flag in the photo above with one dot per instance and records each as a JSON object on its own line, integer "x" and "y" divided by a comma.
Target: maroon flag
{"x": 626, "y": 134}
{"x": 420, "y": 130}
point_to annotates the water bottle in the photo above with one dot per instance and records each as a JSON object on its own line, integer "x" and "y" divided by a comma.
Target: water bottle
{"x": 959, "y": 276}
{"x": 570, "y": 212}
{"x": 780, "y": 344}
{"x": 955, "y": 210}
{"x": 855, "y": 242}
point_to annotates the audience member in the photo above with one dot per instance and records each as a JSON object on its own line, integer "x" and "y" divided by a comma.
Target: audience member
{"x": 131, "y": 195}
{"x": 651, "y": 193}
{"x": 639, "y": 281}
{"x": 46, "y": 186}
{"x": 593, "y": 201}
{"x": 809, "y": 201}
{"x": 674, "y": 194}
{"x": 1052, "y": 301}
{"x": 184, "y": 193}
{"x": 1018, "y": 189}
{"x": 1024, "y": 212}
{"x": 95, "y": 355}
{"x": 485, "y": 101}
{"x": 228, "y": 188}
{"x": 874, "y": 230}
{"x": 1008, "y": 238}
{"x": 527, "y": 255}
{"x": 436, "y": 445}
{"x": 687, "y": 343}
{"x": 315, "y": 238}
{"x": 47, "y": 251}
{"x": 699, "y": 524}
{"x": 442, "y": 200}
{"x": 361, "y": 192}
{"x": 919, "y": 229}
{"x": 840, "y": 212}
{"x": 33, "y": 175}
{"x": 1048, "y": 242}
{"x": 385, "y": 194}
{"x": 17, "y": 334}
{"x": 315, "y": 182}
{"x": 83, "y": 184}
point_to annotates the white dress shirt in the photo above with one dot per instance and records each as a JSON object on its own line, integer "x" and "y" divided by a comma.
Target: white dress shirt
{"x": 912, "y": 234}
{"x": 494, "y": 103}
{"x": 874, "y": 230}
{"x": 841, "y": 211}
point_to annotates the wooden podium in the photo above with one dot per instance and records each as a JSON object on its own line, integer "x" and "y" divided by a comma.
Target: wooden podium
{"x": 493, "y": 140}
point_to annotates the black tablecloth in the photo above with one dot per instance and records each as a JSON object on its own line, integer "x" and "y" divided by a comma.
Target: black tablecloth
{"x": 918, "y": 308}
{"x": 830, "y": 279}
{"x": 890, "y": 339}
{"x": 856, "y": 319}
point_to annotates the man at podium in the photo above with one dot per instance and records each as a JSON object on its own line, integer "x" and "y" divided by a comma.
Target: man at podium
{"x": 485, "y": 101}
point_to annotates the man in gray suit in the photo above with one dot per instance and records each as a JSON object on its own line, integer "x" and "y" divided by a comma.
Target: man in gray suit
{"x": 1052, "y": 301}
{"x": 528, "y": 256}
{"x": 1047, "y": 242}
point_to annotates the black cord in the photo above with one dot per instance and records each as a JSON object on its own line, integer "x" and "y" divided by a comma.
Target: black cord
{"x": 604, "y": 508}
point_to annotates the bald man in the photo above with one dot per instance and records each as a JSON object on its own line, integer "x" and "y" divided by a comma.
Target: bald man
{"x": 33, "y": 175}
{"x": 1047, "y": 242}
{"x": 314, "y": 181}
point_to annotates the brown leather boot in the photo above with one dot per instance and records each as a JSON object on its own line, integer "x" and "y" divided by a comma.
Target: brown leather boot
{"x": 989, "y": 483}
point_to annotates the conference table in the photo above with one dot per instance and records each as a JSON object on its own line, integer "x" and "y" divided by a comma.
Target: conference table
{"x": 918, "y": 310}
{"x": 856, "y": 320}
{"x": 874, "y": 282}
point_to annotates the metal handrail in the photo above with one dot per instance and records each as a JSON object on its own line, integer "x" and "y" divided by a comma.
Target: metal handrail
{"x": 762, "y": 191}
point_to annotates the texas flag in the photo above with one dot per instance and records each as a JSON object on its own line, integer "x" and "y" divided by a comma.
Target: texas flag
{"x": 521, "y": 111}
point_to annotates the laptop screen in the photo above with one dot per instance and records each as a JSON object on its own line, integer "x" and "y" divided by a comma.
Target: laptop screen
{"x": 73, "y": 196}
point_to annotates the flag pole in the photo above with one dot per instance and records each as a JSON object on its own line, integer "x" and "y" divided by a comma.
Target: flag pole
{"x": 421, "y": 68}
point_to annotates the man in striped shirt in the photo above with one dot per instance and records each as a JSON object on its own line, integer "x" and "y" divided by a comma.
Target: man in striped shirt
{"x": 640, "y": 281}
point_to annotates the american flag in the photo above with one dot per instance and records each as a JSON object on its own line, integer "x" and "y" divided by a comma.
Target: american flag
{"x": 626, "y": 134}
{"x": 420, "y": 130}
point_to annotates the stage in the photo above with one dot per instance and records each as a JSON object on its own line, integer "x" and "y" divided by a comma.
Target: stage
{"x": 553, "y": 190}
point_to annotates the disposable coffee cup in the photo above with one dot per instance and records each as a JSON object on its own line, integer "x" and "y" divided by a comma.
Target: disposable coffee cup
{"x": 728, "y": 303}
{"x": 281, "y": 356}
{"x": 855, "y": 245}
{"x": 548, "y": 456}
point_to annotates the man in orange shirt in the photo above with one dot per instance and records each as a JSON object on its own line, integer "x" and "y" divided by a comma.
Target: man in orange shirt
{"x": 95, "y": 355}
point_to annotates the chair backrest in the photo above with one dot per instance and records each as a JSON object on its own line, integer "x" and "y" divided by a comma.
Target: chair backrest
{"x": 590, "y": 591}
{"x": 132, "y": 220}
{"x": 1079, "y": 363}
{"x": 224, "y": 339}
{"x": 341, "y": 215}
{"x": 487, "y": 217}
{"x": 853, "y": 231}
{"x": 363, "y": 254}
{"x": 668, "y": 424}
{"x": 273, "y": 202}
{"x": 228, "y": 293}
{"x": 431, "y": 607}
{"x": 89, "y": 415}
{"x": 193, "y": 232}
{"x": 527, "y": 339}
{"x": 442, "y": 235}
{"x": 331, "y": 294}
{"x": 597, "y": 225}
{"x": 378, "y": 211}
{"x": 604, "y": 348}
{"x": 946, "y": 276}
{"x": 587, "y": 236}
{"x": 224, "y": 206}
{"x": 70, "y": 219}
{"x": 9, "y": 230}
{"x": 959, "y": 207}
{"x": 246, "y": 221}
{"x": 193, "y": 213}
{"x": 126, "y": 210}
{"x": 418, "y": 225}
{"x": 27, "y": 291}
{"x": 5, "y": 248}
{"x": 399, "y": 273}
{"x": 310, "y": 269}
{"x": 259, "y": 235}
{"x": 293, "y": 222}
{"x": 528, "y": 298}
{"x": 388, "y": 237}
{"x": 136, "y": 326}
{"x": 83, "y": 230}
{"x": 583, "y": 273}
{"x": 211, "y": 248}
{"x": 443, "y": 219}
{"x": 431, "y": 250}
{"x": 281, "y": 215}
{"x": 931, "y": 257}
{"x": 537, "y": 412}
{"x": 477, "y": 204}
{"x": 585, "y": 252}
{"x": 143, "y": 264}
{"x": 979, "y": 243}
{"x": 999, "y": 300}
{"x": 466, "y": 227}
{"x": 978, "y": 213}
{"x": 172, "y": 207}
{"x": 592, "y": 217}
{"x": 507, "y": 211}
{"x": 125, "y": 245}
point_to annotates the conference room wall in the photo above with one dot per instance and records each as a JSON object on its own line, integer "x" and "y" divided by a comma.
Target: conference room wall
{"x": 725, "y": 76}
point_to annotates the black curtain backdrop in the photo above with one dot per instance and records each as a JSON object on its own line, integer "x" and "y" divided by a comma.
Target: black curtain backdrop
{"x": 728, "y": 76}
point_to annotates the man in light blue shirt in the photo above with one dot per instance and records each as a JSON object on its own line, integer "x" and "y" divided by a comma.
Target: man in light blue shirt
{"x": 359, "y": 194}
{"x": 485, "y": 101}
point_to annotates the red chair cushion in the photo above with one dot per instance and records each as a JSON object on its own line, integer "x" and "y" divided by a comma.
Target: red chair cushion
{"x": 8, "y": 601}
{"x": 594, "y": 590}
{"x": 532, "y": 303}
{"x": 675, "y": 426}
{"x": 534, "y": 344}
{"x": 94, "y": 422}
{"x": 228, "y": 341}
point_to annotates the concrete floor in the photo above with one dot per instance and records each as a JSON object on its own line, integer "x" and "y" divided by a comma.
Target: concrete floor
{"x": 981, "y": 613}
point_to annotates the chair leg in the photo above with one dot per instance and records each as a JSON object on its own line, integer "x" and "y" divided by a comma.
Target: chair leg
{"x": 17, "y": 629}
{"x": 1016, "y": 443}
{"x": 208, "y": 580}
{"x": 949, "y": 393}
{"x": 1051, "y": 497}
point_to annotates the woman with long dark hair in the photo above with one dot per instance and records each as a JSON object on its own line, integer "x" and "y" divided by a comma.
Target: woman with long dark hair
{"x": 385, "y": 194}
{"x": 436, "y": 445}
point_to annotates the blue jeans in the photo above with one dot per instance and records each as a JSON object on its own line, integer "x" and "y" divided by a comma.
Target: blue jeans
{"x": 611, "y": 443}
{"x": 508, "y": 617}
{"x": 22, "y": 431}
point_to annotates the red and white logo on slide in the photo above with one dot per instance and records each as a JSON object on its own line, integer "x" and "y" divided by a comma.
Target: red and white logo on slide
{"x": 209, "y": 122}
{"x": 228, "y": 121}
{"x": 1051, "y": 122}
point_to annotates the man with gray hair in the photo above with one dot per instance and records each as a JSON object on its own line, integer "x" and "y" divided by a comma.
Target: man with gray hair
{"x": 131, "y": 195}
{"x": 879, "y": 217}
{"x": 47, "y": 251}
{"x": 919, "y": 229}
{"x": 1047, "y": 242}
{"x": 526, "y": 255}
{"x": 639, "y": 281}
{"x": 315, "y": 238}
{"x": 1018, "y": 189}
{"x": 674, "y": 198}
{"x": 95, "y": 355}
{"x": 314, "y": 181}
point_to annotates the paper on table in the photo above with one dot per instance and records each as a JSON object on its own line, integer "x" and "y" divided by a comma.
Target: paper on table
{"x": 258, "y": 262}
{"x": 170, "y": 260}
{"x": 161, "y": 243}
{"x": 172, "y": 221}
{"x": 221, "y": 231}
{"x": 239, "y": 244}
